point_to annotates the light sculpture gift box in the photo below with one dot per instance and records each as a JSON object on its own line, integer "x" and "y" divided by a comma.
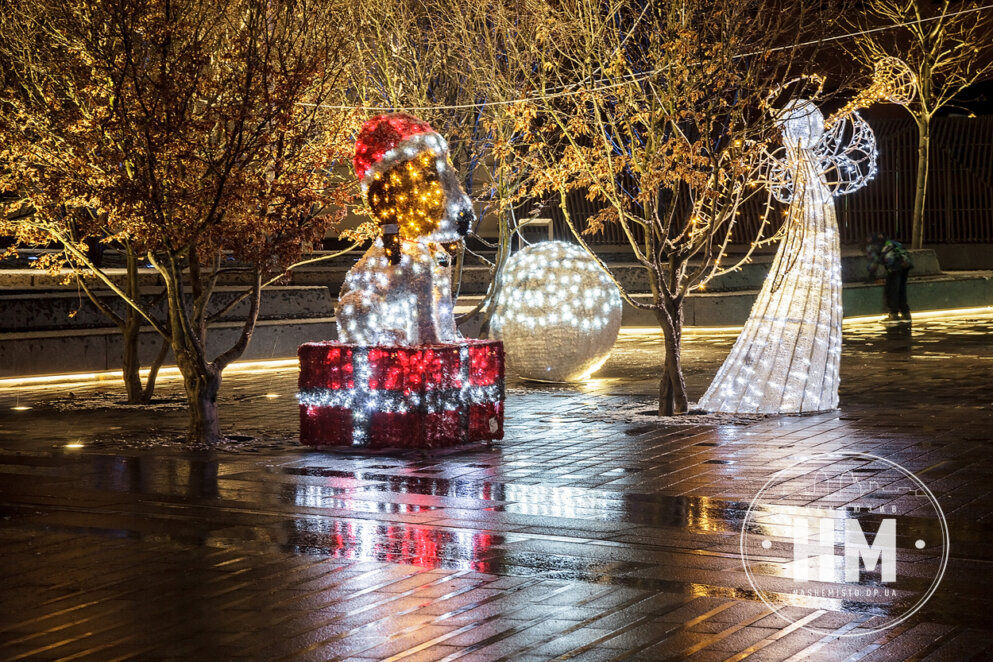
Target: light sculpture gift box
{"x": 421, "y": 396}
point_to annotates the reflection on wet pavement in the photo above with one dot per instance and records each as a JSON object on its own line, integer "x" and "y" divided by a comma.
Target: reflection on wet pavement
{"x": 585, "y": 533}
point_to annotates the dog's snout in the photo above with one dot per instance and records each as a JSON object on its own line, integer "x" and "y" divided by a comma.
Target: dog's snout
{"x": 465, "y": 221}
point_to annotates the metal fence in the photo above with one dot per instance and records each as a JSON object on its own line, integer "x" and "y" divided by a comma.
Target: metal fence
{"x": 959, "y": 205}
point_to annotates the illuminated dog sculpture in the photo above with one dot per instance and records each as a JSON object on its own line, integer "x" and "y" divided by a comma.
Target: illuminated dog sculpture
{"x": 400, "y": 375}
{"x": 399, "y": 293}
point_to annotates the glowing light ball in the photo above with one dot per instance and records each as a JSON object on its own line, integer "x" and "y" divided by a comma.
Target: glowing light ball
{"x": 557, "y": 314}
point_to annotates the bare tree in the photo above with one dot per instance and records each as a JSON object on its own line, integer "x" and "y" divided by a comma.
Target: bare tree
{"x": 947, "y": 45}
{"x": 188, "y": 131}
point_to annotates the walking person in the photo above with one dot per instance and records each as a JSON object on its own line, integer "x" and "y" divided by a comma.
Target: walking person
{"x": 894, "y": 258}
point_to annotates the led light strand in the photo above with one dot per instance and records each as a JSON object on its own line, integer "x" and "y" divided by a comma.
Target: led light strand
{"x": 396, "y": 402}
{"x": 406, "y": 396}
{"x": 399, "y": 293}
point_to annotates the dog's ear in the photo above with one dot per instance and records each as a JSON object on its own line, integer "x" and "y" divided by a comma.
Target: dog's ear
{"x": 391, "y": 242}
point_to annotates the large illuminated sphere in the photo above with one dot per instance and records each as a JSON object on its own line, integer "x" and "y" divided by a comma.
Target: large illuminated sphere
{"x": 558, "y": 313}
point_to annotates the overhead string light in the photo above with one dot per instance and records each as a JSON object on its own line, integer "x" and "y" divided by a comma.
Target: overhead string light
{"x": 581, "y": 87}
{"x": 786, "y": 359}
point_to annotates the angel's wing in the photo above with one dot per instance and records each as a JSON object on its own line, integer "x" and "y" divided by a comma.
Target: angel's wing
{"x": 779, "y": 175}
{"x": 847, "y": 154}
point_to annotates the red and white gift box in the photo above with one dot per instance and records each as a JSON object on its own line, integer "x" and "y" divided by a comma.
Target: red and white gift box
{"x": 424, "y": 396}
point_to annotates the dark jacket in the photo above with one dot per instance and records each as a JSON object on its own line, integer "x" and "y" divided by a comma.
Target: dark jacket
{"x": 890, "y": 254}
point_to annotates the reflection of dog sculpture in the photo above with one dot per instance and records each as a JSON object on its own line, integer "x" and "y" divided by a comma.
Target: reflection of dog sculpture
{"x": 399, "y": 293}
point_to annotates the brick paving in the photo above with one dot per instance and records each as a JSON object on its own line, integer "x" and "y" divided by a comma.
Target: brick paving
{"x": 586, "y": 534}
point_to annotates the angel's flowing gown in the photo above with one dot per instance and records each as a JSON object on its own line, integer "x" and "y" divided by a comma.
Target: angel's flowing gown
{"x": 786, "y": 359}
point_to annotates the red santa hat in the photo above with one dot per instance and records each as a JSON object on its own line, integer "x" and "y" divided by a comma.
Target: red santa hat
{"x": 386, "y": 140}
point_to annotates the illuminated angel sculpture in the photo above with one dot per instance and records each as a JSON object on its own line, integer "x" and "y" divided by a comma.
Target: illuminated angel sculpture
{"x": 399, "y": 293}
{"x": 786, "y": 358}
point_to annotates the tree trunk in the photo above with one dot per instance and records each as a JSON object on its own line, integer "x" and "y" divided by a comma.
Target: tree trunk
{"x": 153, "y": 372}
{"x": 201, "y": 377}
{"x": 920, "y": 193}
{"x": 131, "y": 365}
{"x": 672, "y": 386}
{"x": 202, "y": 386}
{"x": 131, "y": 337}
{"x": 130, "y": 333}
{"x": 500, "y": 261}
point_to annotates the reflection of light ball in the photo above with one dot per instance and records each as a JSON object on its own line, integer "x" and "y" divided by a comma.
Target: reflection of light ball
{"x": 802, "y": 122}
{"x": 557, "y": 313}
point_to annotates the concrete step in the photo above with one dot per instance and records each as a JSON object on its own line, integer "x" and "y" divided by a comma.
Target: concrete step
{"x": 91, "y": 350}
{"x": 13, "y": 280}
{"x": 476, "y": 277}
{"x": 95, "y": 350}
{"x": 27, "y": 279}
{"x": 634, "y": 277}
{"x": 53, "y": 310}
{"x": 928, "y": 293}
{"x": 718, "y": 309}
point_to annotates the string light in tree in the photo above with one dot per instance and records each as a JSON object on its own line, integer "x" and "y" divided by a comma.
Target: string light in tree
{"x": 558, "y": 313}
{"x": 892, "y": 82}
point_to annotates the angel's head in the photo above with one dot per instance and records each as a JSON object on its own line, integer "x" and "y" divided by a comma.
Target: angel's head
{"x": 802, "y": 123}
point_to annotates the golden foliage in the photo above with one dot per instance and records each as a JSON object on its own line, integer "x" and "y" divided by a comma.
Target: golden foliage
{"x": 179, "y": 127}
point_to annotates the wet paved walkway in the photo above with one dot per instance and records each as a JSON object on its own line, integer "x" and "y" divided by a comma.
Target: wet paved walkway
{"x": 589, "y": 533}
